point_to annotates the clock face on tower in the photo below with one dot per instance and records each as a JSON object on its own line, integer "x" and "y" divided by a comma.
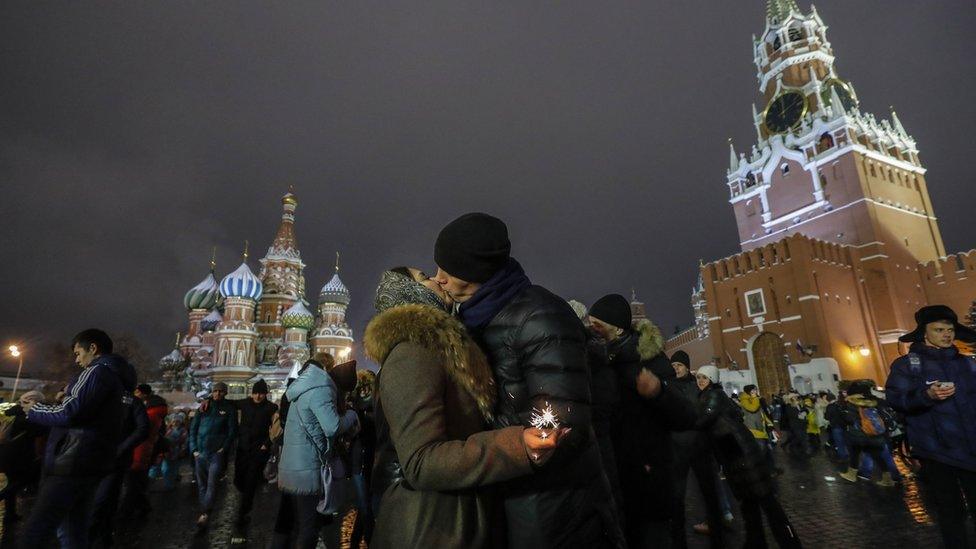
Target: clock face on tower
{"x": 785, "y": 111}
{"x": 844, "y": 92}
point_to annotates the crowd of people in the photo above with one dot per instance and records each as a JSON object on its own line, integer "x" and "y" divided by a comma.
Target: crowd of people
{"x": 501, "y": 416}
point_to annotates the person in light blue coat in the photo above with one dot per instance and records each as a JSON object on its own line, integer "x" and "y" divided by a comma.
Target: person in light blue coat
{"x": 314, "y": 422}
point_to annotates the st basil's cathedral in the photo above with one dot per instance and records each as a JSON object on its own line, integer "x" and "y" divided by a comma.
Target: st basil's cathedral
{"x": 248, "y": 327}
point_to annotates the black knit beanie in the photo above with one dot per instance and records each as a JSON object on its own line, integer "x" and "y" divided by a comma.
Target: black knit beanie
{"x": 682, "y": 357}
{"x": 473, "y": 247}
{"x": 614, "y": 310}
{"x": 260, "y": 387}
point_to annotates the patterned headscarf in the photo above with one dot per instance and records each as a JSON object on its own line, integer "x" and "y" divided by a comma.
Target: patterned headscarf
{"x": 397, "y": 289}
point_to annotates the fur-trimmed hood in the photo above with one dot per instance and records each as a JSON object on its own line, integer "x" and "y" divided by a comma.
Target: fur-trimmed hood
{"x": 444, "y": 335}
{"x": 650, "y": 341}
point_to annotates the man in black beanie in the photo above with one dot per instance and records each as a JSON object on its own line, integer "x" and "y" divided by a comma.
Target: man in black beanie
{"x": 537, "y": 349}
{"x": 650, "y": 410}
{"x": 253, "y": 446}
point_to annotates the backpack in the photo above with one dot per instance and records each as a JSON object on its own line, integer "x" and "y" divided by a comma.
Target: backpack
{"x": 871, "y": 422}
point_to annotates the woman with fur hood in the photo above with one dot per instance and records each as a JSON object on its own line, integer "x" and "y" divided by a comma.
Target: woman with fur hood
{"x": 433, "y": 406}
{"x": 650, "y": 410}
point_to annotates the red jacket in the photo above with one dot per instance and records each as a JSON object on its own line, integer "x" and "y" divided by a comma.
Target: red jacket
{"x": 156, "y": 409}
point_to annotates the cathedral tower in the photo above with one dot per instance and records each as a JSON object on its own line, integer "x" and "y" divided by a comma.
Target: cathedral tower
{"x": 198, "y": 302}
{"x": 234, "y": 345}
{"x": 333, "y": 335}
{"x": 283, "y": 278}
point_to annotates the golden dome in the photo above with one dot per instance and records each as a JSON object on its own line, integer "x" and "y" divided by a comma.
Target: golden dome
{"x": 289, "y": 199}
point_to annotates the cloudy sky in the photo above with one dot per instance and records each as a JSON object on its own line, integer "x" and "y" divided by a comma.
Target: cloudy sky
{"x": 136, "y": 136}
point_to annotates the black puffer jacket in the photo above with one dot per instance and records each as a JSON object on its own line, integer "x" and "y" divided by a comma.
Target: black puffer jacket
{"x": 642, "y": 438}
{"x": 735, "y": 448}
{"x": 536, "y": 347}
{"x": 603, "y": 386}
{"x": 690, "y": 443}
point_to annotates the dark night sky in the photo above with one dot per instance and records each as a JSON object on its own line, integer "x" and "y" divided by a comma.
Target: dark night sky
{"x": 134, "y": 137}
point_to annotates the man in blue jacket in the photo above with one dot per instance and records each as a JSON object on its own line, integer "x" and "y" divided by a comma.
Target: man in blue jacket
{"x": 212, "y": 433}
{"x": 86, "y": 429}
{"x": 932, "y": 385}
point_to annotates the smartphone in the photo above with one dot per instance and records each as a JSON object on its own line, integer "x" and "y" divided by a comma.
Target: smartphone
{"x": 946, "y": 385}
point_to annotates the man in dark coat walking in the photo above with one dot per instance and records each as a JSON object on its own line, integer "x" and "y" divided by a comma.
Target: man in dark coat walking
{"x": 650, "y": 410}
{"x": 933, "y": 385}
{"x": 536, "y": 347}
{"x": 253, "y": 446}
{"x": 86, "y": 429}
{"x": 212, "y": 434}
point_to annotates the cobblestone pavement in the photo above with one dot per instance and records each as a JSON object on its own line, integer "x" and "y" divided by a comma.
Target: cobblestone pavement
{"x": 826, "y": 513}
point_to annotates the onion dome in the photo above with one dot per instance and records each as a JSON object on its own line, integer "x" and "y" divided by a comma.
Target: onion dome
{"x": 334, "y": 291}
{"x": 204, "y": 295}
{"x": 210, "y": 322}
{"x": 241, "y": 283}
{"x": 298, "y": 316}
{"x": 173, "y": 358}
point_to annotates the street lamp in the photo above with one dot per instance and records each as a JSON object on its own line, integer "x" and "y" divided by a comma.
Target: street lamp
{"x": 15, "y": 352}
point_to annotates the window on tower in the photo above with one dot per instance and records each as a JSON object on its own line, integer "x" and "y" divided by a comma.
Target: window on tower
{"x": 750, "y": 180}
{"x": 785, "y": 168}
{"x": 825, "y": 142}
{"x": 795, "y": 34}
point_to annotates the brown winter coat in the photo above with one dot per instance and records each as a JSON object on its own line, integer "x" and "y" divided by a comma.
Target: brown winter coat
{"x": 435, "y": 395}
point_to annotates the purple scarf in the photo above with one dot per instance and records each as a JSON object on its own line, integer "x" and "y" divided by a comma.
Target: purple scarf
{"x": 493, "y": 295}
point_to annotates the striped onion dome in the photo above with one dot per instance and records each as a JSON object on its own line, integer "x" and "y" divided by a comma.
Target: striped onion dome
{"x": 298, "y": 316}
{"x": 334, "y": 291}
{"x": 210, "y": 322}
{"x": 241, "y": 283}
{"x": 204, "y": 295}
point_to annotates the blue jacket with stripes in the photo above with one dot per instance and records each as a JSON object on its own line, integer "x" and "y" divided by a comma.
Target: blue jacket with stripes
{"x": 86, "y": 427}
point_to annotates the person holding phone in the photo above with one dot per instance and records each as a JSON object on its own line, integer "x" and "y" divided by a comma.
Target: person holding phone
{"x": 934, "y": 385}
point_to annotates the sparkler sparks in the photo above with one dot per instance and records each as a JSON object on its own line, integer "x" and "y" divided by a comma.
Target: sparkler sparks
{"x": 544, "y": 419}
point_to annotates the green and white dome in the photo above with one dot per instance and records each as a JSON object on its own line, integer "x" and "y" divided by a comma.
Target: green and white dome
{"x": 298, "y": 316}
{"x": 204, "y": 295}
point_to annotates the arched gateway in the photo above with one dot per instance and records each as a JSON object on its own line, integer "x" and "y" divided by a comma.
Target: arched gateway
{"x": 769, "y": 362}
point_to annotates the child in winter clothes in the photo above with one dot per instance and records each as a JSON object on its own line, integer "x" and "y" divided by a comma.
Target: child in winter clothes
{"x": 176, "y": 437}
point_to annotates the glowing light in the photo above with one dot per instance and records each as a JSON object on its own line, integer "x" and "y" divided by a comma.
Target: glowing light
{"x": 14, "y": 350}
{"x": 544, "y": 419}
{"x": 864, "y": 351}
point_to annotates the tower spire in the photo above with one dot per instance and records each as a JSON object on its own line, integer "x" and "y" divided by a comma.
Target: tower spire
{"x": 897, "y": 122}
{"x": 836, "y": 103}
{"x": 733, "y": 159}
{"x": 177, "y": 344}
{"x": 245, "y": 250}
{"x": 778, "y": 10}
{"x": 337, "y": 263}
{"x": 213, "y": 259}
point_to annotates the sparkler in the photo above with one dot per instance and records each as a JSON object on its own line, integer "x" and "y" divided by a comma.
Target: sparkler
{"x": 544, "y": 419}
